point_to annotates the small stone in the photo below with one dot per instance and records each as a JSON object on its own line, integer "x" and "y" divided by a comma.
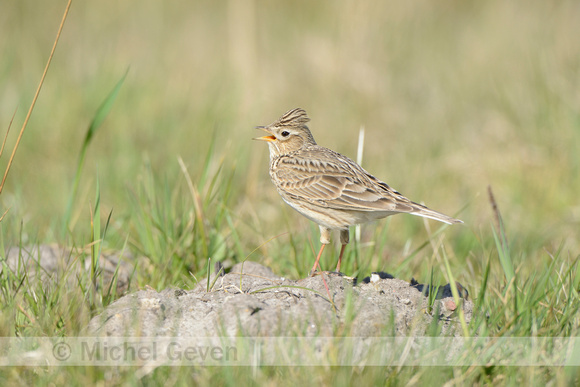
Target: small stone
{"x": 450, "y": 304}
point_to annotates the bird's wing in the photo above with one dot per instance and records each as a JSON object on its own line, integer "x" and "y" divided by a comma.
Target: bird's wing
{"x": 331, "y": 180}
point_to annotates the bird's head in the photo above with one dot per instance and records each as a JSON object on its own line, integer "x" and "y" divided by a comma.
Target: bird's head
{"x": 288, "y": 134}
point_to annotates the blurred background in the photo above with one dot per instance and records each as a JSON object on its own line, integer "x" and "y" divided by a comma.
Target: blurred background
{"x": 454, "y": 96}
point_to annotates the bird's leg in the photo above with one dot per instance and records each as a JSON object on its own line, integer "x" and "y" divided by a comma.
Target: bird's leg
{"x": 324, "y": 239}
{"x": 340, "y": 258}
{"x": 344, "y": 238}
{"x": 317, "y": 259}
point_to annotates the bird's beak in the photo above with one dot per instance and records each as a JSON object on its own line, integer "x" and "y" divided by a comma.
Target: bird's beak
{"x": 271, "y": 137}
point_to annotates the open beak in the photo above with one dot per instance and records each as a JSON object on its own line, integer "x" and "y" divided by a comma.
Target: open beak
{"x": 271, "y": 137}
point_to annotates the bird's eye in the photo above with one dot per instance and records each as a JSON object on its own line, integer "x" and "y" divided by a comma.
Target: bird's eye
{"x": 285, "y": 133}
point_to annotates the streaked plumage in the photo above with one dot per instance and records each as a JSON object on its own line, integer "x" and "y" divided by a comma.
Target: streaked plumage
{"x": 328, "y": 188}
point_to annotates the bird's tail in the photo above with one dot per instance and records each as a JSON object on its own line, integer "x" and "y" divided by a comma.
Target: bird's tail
{"x": 421, "y": 210}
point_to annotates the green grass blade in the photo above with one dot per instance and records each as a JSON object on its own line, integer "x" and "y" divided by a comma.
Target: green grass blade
{"x": 95, "y": 240}
{"x": 504, "y": 255}
{"x": 98, "y": 119}
{"x": 208, "y": 273}
{"x": 455, "y": 292}
{"x": 482, "y": 291}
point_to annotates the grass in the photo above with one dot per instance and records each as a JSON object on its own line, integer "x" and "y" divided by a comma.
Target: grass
{"x": 454, "y": 98}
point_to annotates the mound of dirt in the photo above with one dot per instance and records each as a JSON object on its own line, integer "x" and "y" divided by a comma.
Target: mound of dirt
{"x": 251, "y": 300}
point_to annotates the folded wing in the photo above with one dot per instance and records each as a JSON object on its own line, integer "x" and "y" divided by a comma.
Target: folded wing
{"x": 336, "y": 182}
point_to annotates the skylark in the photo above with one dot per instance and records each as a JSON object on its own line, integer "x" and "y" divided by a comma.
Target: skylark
{"x": 328, "y": 188}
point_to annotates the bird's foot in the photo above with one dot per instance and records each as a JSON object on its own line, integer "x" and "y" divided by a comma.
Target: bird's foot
{"x": 315, "y": 273}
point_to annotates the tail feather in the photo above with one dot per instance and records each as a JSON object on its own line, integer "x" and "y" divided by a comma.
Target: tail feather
{"x": 428, "y": 213}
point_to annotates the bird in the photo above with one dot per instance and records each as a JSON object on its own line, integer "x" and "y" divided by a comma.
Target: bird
{"x": 327, "y": 187}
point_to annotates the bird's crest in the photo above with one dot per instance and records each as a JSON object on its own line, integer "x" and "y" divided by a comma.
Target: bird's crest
{"x": 294, "y": 117}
